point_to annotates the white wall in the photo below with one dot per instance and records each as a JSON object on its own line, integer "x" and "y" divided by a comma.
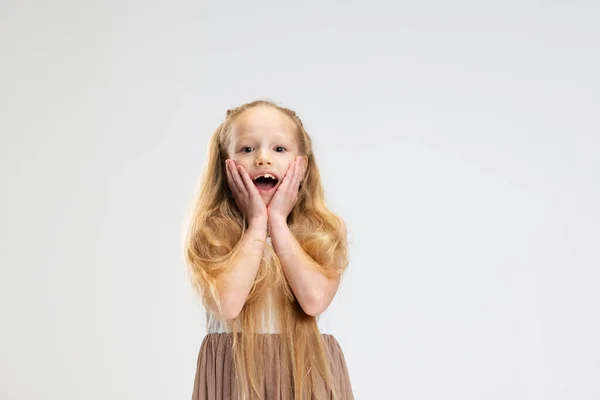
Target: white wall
{"x": 459, "y": 141}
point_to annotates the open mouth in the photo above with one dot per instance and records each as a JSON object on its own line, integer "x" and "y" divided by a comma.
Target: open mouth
{"x": 265, "y": 183}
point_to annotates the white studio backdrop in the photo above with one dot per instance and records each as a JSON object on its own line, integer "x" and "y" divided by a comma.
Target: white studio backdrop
{"x": 459, "y": 141}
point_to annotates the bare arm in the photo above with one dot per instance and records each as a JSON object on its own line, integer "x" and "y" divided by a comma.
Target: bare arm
{"x": 234, "y": 286}
{"x": 314, "y": 291}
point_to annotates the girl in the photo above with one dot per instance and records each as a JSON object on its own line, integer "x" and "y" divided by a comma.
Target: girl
{"x": 266, "y": 255}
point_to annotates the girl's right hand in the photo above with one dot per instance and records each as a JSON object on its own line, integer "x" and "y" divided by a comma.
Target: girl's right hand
{"x": 245, "y": 194}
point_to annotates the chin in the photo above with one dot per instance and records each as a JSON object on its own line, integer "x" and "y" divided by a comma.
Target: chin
{"x": 267, "y": 199}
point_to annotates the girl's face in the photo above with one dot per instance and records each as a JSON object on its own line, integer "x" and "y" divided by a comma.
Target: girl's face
{"x": 263, "y": 140}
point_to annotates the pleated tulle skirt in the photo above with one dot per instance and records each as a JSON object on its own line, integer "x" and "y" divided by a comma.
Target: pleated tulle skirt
{"x": 215, "y": 378}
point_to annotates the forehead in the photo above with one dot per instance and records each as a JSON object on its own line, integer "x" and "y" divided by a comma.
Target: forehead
{"x": 263, "y": 122}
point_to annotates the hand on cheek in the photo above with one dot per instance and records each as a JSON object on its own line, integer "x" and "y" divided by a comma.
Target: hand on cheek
{"x": 286, "y": 196}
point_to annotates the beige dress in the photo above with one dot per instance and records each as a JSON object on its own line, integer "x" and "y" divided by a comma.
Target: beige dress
{"x": 214, "y": 379}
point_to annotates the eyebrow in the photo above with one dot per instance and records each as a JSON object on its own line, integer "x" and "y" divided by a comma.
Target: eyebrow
{"x": 276, "y": 138}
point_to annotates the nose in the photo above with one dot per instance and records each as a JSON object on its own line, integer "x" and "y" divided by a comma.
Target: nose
{"x": 261, "y": 160}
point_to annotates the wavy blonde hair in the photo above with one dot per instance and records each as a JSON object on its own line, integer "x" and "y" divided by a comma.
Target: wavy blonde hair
{"x": 215, "y": 227}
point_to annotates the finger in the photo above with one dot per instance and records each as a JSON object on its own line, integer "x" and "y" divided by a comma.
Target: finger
{"x": 238, "y": 174}
{"x": 295, "y": 176}
{"x": 288, "y": 176}
{"x": 230, "y": 177}
{"x": 292, "y": 176}
{"x": 247, "y": 181}
{"x": 301, "y": 170}
{"x": 237, "y": 179}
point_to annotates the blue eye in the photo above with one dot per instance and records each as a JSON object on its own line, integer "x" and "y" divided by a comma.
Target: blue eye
{"x": 249, "y": 147}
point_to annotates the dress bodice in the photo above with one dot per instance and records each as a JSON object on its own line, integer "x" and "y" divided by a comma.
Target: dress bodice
{"x": 215, "y": 325}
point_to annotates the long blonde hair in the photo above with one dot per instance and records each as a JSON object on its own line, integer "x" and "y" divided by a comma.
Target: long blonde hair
{"x": 215, "y": 227}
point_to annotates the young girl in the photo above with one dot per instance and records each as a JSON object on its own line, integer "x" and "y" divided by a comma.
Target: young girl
{"x": 266, "y": 255}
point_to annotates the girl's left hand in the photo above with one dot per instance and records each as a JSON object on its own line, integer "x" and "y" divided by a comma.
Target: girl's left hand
{"x": 286, "y": 196}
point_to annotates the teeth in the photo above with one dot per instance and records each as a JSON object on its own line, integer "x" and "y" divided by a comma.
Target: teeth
{"x": 265, "y": 175}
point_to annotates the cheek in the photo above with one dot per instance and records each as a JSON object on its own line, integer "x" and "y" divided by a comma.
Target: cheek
{"x": 238, "y": 160}
{"x": 290, "y": 160}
